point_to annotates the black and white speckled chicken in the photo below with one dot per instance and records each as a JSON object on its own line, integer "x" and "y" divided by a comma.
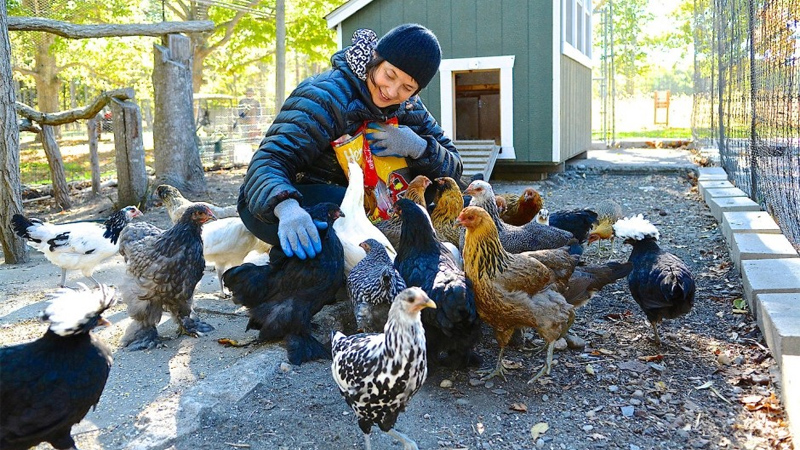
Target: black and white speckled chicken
{"x": 518, "y": 239}
{"x": 660, "y": 282}
{"x": 78, "y": 245}
{"x": 48, "y": 385}
{"x": 162, "y": 271}
{"x": 453, "y": 329}
{"x": 379, "y": 373}
{"x": 283, "y": 295}
{"x": 373, "y": 284}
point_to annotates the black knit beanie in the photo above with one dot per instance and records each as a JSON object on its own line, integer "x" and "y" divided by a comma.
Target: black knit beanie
{"x": 413, "y": 49}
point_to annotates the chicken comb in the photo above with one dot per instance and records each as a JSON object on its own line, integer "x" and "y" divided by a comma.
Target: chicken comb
{"x": 636, "y": 228}
{"x": 70, "y": 310}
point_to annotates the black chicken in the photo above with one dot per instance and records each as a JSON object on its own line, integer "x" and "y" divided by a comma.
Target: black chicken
{"x": 579, "y": 222}
{"x": 373, "y": 284}
{"x": 163, "y": 269}
{"x": 284, "y": 295}
{"x": 378, "y": 374}
{"x": 660, "y": 282}
{"x": 48, "y": 385}
{"x": 453, "y": 329}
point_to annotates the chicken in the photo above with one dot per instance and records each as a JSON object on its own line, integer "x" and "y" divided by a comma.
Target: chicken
{"x": 511, "y": 290}
{"x": 501, "y": 203}
{"x": 75, "y": 246}
{"x": 162, "y": 271}
{"x": 355, "y": 227}
{"x": 447, "y": 203}
{"x": 453, "y": 329}
{"x": 373, "y": 284}
{"x": 542, "y": 217}
{"x": 416, "y": 193}
{"x": 577, "y": 221}
{"x": 48, "y": 385}
{"x": 176, "y": 204}
{"x": 226, "y": 243}
{"x": 660, "y": 282}
{"x": 608, "y": 213}
{"x": 521, "y": 209}
{"x": 516, "y": 239}
{"x": 378, "y": 374}
{"x": 284, "y": 295}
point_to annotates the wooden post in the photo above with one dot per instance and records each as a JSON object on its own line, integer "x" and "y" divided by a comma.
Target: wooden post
{"x": 177, "y": 157}
{"x": 93, "y": 128}
{"x": 131, "y": 171}
{"x": 56, "y": 163}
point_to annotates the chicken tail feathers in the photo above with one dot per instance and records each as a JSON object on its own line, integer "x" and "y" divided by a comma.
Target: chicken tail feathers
{"x": 247, "y": 283}
{"x": 304, "y": 347}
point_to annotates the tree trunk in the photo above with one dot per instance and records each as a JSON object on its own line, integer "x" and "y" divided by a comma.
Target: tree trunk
{"x": 93, "y": 128}
{"x": 48, "y": 85}
{"x": 280, "y": 54}
{"x": 56, "y": 163}
{"x": 131, "y": 171}
{"x": 14, "y": 249}
{"x": 177, "y": 157}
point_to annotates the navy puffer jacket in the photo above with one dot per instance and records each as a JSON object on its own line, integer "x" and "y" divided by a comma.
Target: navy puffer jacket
{"x": 321, "y": 109}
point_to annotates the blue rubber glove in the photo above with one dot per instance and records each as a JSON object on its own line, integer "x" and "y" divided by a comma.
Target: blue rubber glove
{"x": 297, "y": 232}
{"x": 388, "y": 140}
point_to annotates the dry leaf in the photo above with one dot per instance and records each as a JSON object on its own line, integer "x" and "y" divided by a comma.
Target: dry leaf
{"x": 661, "y": 386}
{"x": 229, "y": 342}
{"x": 652, "y": 358}
{"x": 705, "y": 385}
{"x": 589, "y": 369}
{"x": 479, "y": 427}
{"x": 511, "y": 365}
{"x": 751, "y": 399}
{"x": 521, "y": 407}
{"x": 539, "y": 429}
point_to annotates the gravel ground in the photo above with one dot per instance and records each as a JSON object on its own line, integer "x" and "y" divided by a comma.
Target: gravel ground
{"x": 712, "y": 384}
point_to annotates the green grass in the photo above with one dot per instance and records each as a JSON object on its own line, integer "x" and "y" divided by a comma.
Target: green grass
{"x": 664, "y": 133}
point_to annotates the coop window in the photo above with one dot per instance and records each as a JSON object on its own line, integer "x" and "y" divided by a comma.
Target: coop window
{"x": 576, "y": 30}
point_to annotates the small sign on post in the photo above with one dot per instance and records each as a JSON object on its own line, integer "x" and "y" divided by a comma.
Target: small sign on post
{"x": 661, "y": 108}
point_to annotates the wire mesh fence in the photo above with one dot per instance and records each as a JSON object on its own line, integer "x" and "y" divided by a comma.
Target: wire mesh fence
{"x": 747, "y": 99}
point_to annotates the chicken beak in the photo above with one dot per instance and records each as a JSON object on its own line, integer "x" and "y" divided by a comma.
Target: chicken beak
{"x": 429, "y": 304}
{"x": 103, "y": 322}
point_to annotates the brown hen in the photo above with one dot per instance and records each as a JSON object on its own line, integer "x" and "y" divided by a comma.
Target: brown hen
{"x": 521, "y": 209}
{"x": 416, "y": 193}
{"x": 448, "y": 202}
{"x": 511, "y": 290}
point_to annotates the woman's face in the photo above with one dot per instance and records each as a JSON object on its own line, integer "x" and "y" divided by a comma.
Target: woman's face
{"x": 390, "y": 85}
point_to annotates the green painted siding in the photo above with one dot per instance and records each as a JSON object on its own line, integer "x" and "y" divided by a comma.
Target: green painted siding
{"x": 481, "y": 28}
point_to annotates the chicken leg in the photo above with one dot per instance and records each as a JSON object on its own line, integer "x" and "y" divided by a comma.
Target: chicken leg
{"x": 655, "y": 332}
{"x": 548, "y": 363}
{"x": 408, "y": 444}
{"x": 498, "y": 370}
{"x": 193, "y": 327}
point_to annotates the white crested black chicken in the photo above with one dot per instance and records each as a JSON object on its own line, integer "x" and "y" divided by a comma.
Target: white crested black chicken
{"x": 75, "y": 246}
{"x": 283, "y": 295}
{"x": 453, "y": 329}
{"x": 163, "y": 269}
{"x": 372, "y": 285}
{"x": 49, "y": 385}
{"x": 379, "y": 373}
{"x": 660, "y": 282}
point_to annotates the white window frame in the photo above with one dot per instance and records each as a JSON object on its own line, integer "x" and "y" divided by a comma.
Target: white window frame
{"x": 578, "y": 45}
{"x": 447, "y": 95}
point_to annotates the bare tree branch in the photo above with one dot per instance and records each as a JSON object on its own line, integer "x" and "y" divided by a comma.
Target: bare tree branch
{"x": 72, "y": 115}
{"x": 229, "y": 27}
{"x": 72, "y": 31}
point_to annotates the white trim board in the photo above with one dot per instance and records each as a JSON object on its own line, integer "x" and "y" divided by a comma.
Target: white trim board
{"x": 343, "y": 12}
{"x": 447, "y": 95}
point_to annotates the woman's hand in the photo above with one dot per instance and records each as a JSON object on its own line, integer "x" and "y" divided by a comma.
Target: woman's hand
{"x": 297, "y": 232}
{"x": 388, "y": 140}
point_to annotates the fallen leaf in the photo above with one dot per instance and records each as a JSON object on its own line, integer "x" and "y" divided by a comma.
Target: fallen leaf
{"x": 589, "y": 369}
{"x": 652, "y": 358}
{"x": 740, "y": 303}
{"x": 751, "y": 399}
{"x": 479, "y": 427}
{"x": 705, "y": 385}
{"x": 521, "y": 407}
{"x": 229, "y": 342}
{"x": 661, "y": 386}
{"x": 539, "y": 429}
{"x": 511, "y": 365}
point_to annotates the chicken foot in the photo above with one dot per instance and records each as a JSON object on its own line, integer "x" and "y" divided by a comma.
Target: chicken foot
{"x": 193, "y": 327}
{"x": 655, "y": 332}
{"x": 408, "y": 444}
{"x": 548, "y": 363}
{"x": 498, "y": 370}
{"x": 145, "y": 338}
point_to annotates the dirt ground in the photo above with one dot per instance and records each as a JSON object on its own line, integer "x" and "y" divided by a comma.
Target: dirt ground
{"x": 711, "y": 385}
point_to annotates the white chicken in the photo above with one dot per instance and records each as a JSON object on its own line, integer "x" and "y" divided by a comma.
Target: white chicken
{"x": 75, "y": 246}
{"x": 355, "y": 227}
{"x": 226, "y": 243}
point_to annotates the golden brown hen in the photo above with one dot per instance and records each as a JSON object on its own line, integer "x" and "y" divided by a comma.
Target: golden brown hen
{"x": 511, "y": 290}
{"x": 448, "y": 202}
{"x": 521, "y": 209}
{"x": 416, "y": 193}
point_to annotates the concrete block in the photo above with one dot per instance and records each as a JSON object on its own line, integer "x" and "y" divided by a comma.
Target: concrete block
{"x": 711, "y": 173}
{"x": 769, "y": 276}
{"x": 747, "y": 246}
{"x": 790, "y": 391}
{"x": 728, "y": 204}
{"x": 702, "y": 186}
{"x": 723, "y": 192}
{"x": 747, "y": 222}
{"x": 780, "y": 323}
